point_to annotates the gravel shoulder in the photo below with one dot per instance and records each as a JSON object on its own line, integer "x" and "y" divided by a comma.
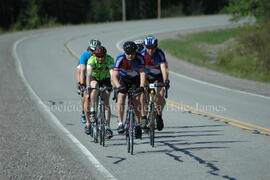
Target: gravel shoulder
{"x": 30, "y": 147}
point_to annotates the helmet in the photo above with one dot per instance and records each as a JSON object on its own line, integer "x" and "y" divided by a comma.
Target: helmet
{"x": 139, "y": 44}
{"x": 130, "y": 47}
{"x": 150, "y": 41}
{"x": 93, "y": 43}
{"x": 100, "y": 51}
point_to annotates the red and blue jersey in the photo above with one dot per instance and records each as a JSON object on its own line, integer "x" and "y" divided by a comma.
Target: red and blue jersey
{"x": 129, "y": 68}
{"x": 152, "y": 63}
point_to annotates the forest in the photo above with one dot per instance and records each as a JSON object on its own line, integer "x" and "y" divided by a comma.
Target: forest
{"x": 32, "y": 14}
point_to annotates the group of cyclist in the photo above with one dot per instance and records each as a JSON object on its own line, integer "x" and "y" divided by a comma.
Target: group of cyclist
{"x": 141, "y": 63}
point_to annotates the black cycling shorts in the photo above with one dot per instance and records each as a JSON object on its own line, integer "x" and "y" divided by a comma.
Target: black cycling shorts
{"x": 129, "y": 83}
{"x": 103, "y": 83}
{"x": 153, "y": 78}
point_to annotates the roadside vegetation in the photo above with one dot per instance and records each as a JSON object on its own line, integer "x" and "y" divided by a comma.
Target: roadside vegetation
{"x": 17, "y": 15}
{"x": 241, "y": 52}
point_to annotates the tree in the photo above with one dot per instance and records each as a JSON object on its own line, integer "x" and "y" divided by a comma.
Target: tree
{"x": 260, "y": 9}
{"x": 29, "y": 18}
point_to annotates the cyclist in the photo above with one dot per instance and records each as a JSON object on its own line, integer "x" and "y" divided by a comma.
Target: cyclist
{"x": 140, "y": 44}
{"x": 81, "y": 74}
{"x": 99, "y": 70}
{"x": 156, "y": 70}
{"x": 128, "y": 71}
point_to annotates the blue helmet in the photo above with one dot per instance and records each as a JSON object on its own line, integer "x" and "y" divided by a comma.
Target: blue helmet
{"x": 150, "y": 41}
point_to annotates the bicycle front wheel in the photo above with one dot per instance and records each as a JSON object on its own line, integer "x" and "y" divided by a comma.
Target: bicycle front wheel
{"x": 152, "y": 118}
{"x": 131, "y": 131}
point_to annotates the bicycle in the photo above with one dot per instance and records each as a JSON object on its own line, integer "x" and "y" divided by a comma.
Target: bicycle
{"x": 130, "y": 119}
{"x": 151, "y": 114}
{"x": 98, "y": 127}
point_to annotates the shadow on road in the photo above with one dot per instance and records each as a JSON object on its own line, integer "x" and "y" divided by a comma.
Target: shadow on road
{"x": 177, "y": 142}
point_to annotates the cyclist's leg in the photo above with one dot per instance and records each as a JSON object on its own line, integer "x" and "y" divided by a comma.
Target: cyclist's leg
{"x": 121, "y": 106}
{"x": 160, "y": 100}
{"x": 143, "y": 102}
{"x": 93, "y": 96}
{"x": 86, "y": 110}
{"x": 136, "y": 101}
{"x": 107, "y": 83}
{"x": 121, "y": 99}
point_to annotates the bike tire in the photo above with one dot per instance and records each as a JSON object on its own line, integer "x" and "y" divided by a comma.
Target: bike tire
{"x": 91, "y": 130}
{"x": 95, "y": 132}
{"x": 127, "y": 125}
{"x": 152, "y": 125}
{"x": 102, "y": 125}
{"x": 131, "y": 132}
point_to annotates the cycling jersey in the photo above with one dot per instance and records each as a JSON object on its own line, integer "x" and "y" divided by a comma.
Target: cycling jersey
{"x": 129, "y": 68}
{"x": 84, "y": 57}
{"x": 101, "y": 71}
{"x": 152, "y": 63}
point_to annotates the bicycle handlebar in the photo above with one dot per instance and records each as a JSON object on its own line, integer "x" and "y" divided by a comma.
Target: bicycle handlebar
{"x": 159, "y": 84}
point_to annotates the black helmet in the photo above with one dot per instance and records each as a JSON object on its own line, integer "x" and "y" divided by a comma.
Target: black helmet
{"x": 130, "y": 47}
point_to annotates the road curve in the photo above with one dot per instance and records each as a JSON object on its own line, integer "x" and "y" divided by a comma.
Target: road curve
{"x": 195, "y": 144}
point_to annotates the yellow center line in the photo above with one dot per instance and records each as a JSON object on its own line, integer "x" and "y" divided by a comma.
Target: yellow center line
{"x": 194, "y": 110}
{"x": 233, "y": 122}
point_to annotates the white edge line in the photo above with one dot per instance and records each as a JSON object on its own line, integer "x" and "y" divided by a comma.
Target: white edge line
{"x": 45, "y": 109}
{"x": 217, "y": 86}
{"x": 189, "y": 78}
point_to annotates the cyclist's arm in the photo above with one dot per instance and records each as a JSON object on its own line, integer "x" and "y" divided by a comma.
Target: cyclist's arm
{"x": 142, "y": 77}
{"x": 82, "y": 73}
{"x": 89, "y": 75}
{"x": 115, "y": 78}
{"x": 78, "y": 74}
{"x": 111, "y": 74}
{"x": 165, "y": 72}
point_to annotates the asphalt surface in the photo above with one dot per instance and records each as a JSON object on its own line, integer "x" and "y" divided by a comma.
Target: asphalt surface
{"x": 191, "y": 146}
{"x": 30, "y": 147}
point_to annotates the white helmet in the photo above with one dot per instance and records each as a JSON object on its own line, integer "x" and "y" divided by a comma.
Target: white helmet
{"x": 93, "y": 43}
{"x": 139, "y": 43}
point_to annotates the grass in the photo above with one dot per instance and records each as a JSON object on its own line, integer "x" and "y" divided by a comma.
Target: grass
{"x": 185, "y": 50}
{"x": 211, "y": 49}
{"x": 214, "y": 37}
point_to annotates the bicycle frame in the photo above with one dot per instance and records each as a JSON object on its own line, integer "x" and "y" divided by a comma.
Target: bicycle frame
{"x": 151, "y": 114}
{"x": 130, "y": 122}
{"x": 100, "y": 117}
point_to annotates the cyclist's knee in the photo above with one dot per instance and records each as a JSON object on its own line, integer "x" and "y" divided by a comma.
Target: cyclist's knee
{"x": 94, "y": 84}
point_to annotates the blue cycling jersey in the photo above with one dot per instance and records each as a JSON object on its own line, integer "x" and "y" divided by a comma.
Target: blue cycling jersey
{"x": 129, "y": 68}
{"x": 83, "y": 59}
{"x": 152, "y": 63}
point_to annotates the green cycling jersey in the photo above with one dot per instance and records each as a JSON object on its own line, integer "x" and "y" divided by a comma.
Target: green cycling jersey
{"x": 101, "y": 70}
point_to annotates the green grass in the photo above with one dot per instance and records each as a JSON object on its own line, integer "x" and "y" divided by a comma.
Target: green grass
{"x": 214, "y": 37}
{"x": 184, "y": 50}
{"x": 237, "y": 60}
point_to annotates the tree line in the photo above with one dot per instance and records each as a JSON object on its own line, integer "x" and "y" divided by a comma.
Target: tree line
{"x": 31, "y": 14}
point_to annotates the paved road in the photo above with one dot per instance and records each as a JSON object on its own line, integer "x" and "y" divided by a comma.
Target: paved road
{"x": 195, "y": 144}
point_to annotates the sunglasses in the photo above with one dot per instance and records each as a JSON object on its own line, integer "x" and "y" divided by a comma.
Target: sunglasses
{"x": 150, "y": 47}
{"x": 100, "y": 56}
{"x": 133, "y": 53}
